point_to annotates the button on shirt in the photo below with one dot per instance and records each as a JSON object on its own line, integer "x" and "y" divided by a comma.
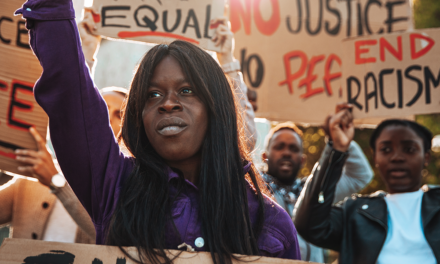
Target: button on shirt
{"x": 405, "y": 242}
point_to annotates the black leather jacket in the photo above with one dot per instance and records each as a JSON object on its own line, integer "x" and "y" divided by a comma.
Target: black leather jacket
{"x": 357, "y": 227}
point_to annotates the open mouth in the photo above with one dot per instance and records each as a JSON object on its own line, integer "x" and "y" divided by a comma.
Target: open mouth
{"x": 286, "y": 165}
{"x": 398, "y": 173}
{"x": 171, "y": 126}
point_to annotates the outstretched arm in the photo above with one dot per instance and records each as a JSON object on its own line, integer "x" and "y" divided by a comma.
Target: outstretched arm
{"x": 225, "y": 38}
{"x": 86, "y": 149}
{"x": 357, "y": 172}
{"x": 316, "y": 220}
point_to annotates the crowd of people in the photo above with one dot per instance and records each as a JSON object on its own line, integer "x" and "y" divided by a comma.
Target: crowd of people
{"x": 166, "y": 164}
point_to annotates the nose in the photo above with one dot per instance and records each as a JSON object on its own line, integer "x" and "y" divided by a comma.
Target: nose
{"x": 170, "y": 104}
{"x": 287, "y": 153}
{"x": 398, "y": 156}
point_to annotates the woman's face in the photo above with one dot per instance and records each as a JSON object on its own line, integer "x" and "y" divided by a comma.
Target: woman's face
{"x": 114, "y": 102}
{"x": 400, "y": 159}
{"x": 174, "y": 117}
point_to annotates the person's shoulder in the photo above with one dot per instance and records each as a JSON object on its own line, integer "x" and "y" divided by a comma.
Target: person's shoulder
{"x": 279, "y": 233}
{"x": 432, "y": 191}
{"x": 357, "y": 198}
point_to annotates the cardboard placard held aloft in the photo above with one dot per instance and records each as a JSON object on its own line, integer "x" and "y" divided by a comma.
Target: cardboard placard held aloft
{"x": 291, "y": 50}
{"x": 159, "y": 21}
{"x": 393, "y": 75}
{"x": 19, "y": 69}
{"x": 24, "y": 251}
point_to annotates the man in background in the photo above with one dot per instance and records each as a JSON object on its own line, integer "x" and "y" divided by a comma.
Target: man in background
{"x": 284, "y": 157}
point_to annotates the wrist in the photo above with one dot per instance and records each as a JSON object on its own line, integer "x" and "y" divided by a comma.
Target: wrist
{"x": 225, "y": 59}
{"x": 57, "y": 182}
{"x": 232, "y": 66}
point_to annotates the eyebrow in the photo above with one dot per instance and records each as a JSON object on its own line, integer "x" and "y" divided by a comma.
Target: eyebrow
{"x": 409, "y": 141}
{"x": 179, "y": 82}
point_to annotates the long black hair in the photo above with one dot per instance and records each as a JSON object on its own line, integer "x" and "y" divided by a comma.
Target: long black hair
{"x": 144, "y": 205}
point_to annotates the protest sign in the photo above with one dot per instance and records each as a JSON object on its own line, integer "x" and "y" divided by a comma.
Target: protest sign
{"x": 159, "y": 21}
{"x": 19, "y": 69}
{"x": 291, "y": 50}
{"x": 24, "y": 251}
{"x": 393, "y": 75}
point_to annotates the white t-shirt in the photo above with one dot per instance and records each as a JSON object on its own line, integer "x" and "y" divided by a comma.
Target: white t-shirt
{"x": 60, "y": 226}
{"x": 405, "y": 242}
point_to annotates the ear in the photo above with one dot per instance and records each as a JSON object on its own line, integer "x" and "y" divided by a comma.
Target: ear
{"x": 427, "y": 158}
{"x": 303, "y": 159}
{"x": 264, "y": 157}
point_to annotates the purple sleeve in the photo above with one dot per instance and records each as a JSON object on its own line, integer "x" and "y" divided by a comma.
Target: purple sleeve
{"x": 86, "y": 149}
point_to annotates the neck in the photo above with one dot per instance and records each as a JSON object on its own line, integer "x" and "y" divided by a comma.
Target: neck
{"x": 287, "y": 182}
{"x": 189, "y": 167}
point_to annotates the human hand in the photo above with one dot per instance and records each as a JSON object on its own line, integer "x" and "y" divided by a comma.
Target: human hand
{"x": 38, "y": 163}
{"x": 224, "y": 38}
{"x": 339, "y": 107}
{"x": 341, "y": 127}
{"x": 89, "y": 41}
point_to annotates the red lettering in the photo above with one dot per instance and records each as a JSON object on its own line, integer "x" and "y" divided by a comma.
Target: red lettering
{"x": 3, "y": 86}
{"x": 289, "y": 76}
{"x": 237, "y": 11}
{"x": 417, "y": 54}
{"x": 19, "y": 105}
{"x": 384, "y": 44}
{"x": 310, "y": 78}
{"x": 359, "y": 51}
{"x": 270, "y": 26}
{"x": 328, "y": 77}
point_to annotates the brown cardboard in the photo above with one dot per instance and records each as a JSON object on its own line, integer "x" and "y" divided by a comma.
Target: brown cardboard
{"x": 19, "y": 69}
{"x": 159, "y": 21}
{"x": 409, "y": 66}
{"x": 18, "y": 251}
{"x": 268, "y": 31}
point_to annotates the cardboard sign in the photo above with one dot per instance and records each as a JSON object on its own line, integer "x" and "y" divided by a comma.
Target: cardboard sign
{"x": 291, "y": 50}
{"x": 23, "y": 251}
{"x": 393, "y": 75}
{"x": 159, "y": 21}
{"x": 19, "y": 69}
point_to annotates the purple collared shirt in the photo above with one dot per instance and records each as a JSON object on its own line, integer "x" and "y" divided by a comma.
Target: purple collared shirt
{"x": 87, "y": 150}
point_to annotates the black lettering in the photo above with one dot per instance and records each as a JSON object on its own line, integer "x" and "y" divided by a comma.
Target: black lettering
{"x": 359, "y": 19}
{"x": 260, "y": 71}
{"x": 207, "y": 22}
{"x": 351, "y": 99}
{"x": 97, "y": 261}
{"x": 148, "y": 22}
{"x": 57, "y": 256}
{"x": 21, "y": 29}
{"x": 348, "y": 18}
{"x": 111, "y": 8}
{"x": 429, "y": 77}
{"x": 165, "y": 19}
{"x": 415, "y": 79}
{"x": 366, "y": 11}
{"x": 298, "y": 28}
{"x": 16, "y": 104}
{"x": 368, "y": 96}
{"x": 309, "y": 18}
{"x": 195, "y": 25}
{"x": 334, "y": 31}
{"x": 121, "y": 261}
{"x": 399, "y": 89}
{"x": 6, "y": 41}
{"x": 391, "y": 19}
{"x": 245, "y": 68}
{"x": 381, "y": 88}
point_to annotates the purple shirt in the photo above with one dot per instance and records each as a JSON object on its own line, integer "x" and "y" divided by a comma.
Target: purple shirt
{"x": 87, "y": 150}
